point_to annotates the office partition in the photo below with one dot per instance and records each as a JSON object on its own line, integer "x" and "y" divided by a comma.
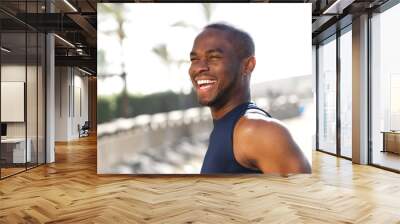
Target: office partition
{"x": 22, "y": 77}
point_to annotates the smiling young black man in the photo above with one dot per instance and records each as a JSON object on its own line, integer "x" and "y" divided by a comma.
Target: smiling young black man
{"x": 245, "y": 139}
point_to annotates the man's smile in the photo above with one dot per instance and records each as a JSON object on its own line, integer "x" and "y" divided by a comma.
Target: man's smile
{"x": 204, "y": 85}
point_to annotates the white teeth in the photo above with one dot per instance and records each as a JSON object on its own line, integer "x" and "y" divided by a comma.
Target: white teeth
{"x": 201, "y": 82}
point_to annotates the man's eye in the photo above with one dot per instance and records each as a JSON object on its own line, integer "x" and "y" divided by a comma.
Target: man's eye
{"x": 193, "y": 59}
{"x": 214, "y": 57}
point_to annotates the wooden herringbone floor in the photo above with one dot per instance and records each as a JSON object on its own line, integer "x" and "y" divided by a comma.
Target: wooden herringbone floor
{"x": 70, "y": 191}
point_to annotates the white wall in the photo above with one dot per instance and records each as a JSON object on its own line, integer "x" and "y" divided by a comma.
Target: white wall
{"x": 62, "y": 80}
{"x": 14, "y": 73}
{"x": 70, "y": 83}
{"x": 12, "y": 101}
{"x": 81, "y": 89}
{"x": 33, "y": 125}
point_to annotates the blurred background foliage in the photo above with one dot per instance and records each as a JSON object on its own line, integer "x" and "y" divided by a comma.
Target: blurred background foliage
{"x": 109, "y": 106}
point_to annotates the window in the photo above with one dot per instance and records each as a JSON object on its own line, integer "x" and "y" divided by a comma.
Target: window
{"x": 385, "y": 85}
{"x": 327, "y": 96}
{"x": 346, "y": 92}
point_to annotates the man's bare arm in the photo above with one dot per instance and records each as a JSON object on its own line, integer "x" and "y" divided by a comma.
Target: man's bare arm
{"x": 265, "y": 143}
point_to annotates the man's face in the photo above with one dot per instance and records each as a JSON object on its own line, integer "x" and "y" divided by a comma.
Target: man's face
{"x": 214, "y": 67}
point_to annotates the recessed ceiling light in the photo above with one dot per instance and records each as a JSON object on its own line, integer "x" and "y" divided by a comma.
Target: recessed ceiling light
{"x": 5, "y": 50}
{"x": 70, "y": 5}
{"x": 338, "y": 6}
{"x": 64, "y": 40}
{"x": 86, "y": 72}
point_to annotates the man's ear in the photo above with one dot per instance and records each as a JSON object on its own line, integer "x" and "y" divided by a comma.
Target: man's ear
{"x": 249, "y": 64}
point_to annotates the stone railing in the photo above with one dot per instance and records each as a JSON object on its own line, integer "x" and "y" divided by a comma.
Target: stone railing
{"x": 173, "y": 142}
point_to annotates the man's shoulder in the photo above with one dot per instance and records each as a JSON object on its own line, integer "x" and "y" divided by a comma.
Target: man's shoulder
{"x": 268, "y": 145}
{"x": 257, "y": 124}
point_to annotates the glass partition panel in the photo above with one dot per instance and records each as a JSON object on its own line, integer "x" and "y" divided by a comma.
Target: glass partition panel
{"x": 385, "y": 84}
{"x": 31, "y": 98}
{"x": 31, "y": 86}
{"x": 14, "y": 153}
{"x": 327, "y": 96}
{"x": 41, "y": 98}
{"x": 346, "y": 94}
{"x": 22, "y": 67}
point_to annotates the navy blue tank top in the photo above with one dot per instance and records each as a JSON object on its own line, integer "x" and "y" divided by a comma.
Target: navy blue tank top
{"x": 219, "y": 157}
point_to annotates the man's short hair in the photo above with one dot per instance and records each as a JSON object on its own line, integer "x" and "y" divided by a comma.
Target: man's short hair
{"x": 243, "y": 42}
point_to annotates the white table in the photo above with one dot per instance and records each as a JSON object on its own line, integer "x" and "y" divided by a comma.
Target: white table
{"x": 19, "y": 155}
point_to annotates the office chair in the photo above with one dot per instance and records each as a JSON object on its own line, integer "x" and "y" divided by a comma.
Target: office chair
{"x": 84, "y": 130}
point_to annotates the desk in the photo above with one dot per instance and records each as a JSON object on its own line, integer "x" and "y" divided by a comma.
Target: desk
{"x": 16, "y": 147}
{"x": 391, "y": 141}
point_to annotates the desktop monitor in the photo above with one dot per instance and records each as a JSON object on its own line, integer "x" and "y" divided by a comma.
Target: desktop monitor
{"x": 3, "y": 129}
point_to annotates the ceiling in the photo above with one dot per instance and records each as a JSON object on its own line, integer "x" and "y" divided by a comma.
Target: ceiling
{"x": 75, "y": 23}
{"x": 328, "y": 16}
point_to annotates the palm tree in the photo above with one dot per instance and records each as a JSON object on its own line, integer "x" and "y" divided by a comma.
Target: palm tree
{"x": 161, "y": 50}
{"x": 117, "y": 11}
{"x": 207, "y": 9}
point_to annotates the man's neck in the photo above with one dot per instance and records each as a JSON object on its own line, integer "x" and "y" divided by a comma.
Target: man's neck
{"x": 218, "y": 113}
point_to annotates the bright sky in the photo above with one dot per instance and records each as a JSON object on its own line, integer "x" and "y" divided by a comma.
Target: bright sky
{"x": 281, "y": 32}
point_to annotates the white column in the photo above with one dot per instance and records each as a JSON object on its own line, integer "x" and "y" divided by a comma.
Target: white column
{"x": 50, "y": 93}
{"x": 314, "y": 90}
{"x": 360, "y": 90}
{"x": 50, "y": 99}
